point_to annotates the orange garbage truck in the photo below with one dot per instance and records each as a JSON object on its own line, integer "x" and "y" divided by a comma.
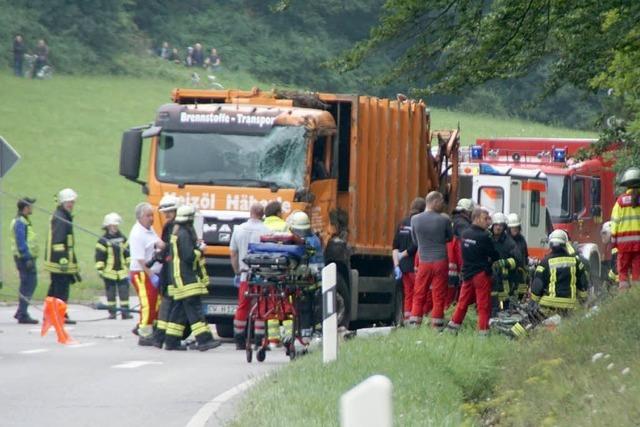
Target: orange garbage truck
{"x": 353, "y": 163}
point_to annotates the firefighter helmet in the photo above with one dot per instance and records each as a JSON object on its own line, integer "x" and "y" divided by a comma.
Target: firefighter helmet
{"x": 111, "y": 219}
{"x": 513, "y": 220}
{"x": 631, "y": 177}
{"x": 168, "y": 203}
{"x": 67, "y": 195}
{"x": 498, "y": 218}
{"x": 299, "y": 223}
{"x": 185, "y": 213}
{"x": 466, "y": 205}
{"x": 558, "y": 238}
{"x": 605, "y": 232}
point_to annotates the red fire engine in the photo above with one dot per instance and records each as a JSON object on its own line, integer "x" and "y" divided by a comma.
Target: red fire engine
{"x": 578, "y": 195}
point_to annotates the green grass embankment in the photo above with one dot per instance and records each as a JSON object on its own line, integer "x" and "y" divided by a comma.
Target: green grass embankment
{"x": 68, "y": 132}
{"x": 443, "y": 380}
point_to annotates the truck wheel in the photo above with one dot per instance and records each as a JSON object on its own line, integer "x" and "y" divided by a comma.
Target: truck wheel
{"x": 398, "y": 309}
{"x": 595, "y": 288}
{"x": 224, "y": 330}
{"x": 343, "y": 302}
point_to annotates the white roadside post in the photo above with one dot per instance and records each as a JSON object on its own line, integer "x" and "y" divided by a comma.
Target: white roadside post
{"x": 329, "y": 314}
{"x": 368, "y": 404}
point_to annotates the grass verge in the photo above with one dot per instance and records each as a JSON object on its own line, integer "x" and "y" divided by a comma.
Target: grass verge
{"x": 442, "y": 380}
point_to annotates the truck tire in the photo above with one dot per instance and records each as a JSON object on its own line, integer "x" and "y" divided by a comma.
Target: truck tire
{"x": 595, "y": 279}
{"x": 398, "y": 309}
{"x": 224, "y": 330}
{"x": 343, "y": 302}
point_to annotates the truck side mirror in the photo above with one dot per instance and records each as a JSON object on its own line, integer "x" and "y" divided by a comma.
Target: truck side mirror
{"x": 131, "y": 154}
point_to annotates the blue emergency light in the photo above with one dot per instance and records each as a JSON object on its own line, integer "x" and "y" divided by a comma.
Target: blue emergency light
{"x": 476, "y": 152}
{"x": 559, "y": 155}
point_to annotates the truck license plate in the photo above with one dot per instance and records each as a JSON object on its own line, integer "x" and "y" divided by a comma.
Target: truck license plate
{"x": 227, "y": 309}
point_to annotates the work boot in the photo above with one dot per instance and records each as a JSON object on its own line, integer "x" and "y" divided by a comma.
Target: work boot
{"x": 126, "y": 315}
{"x": 208, "y": 345}
{"x": 112, "y": 315}
{"x": 179, "y": 347}
{"x": 240, "y": 341}
{"x": 68, "y": 321}
{"x": 27, "y": 320}
{"x": 145, "y": 341}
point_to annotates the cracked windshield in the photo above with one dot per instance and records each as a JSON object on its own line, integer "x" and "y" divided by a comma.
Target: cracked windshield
{"x": 276, "y": 159}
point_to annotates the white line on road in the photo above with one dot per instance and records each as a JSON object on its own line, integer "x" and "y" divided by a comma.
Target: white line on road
{"x": 80, "y": 345}
{"x": 136, "y": 364}
{"x": 202, "y": 416}
{"x": 34, "y": 351}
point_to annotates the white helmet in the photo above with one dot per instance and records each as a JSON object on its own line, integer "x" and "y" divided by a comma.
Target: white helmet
{"x": 558, "y": 238}
{"x": 185, "y": 213}
{"x": 67, "y": 195}
{"x": 299, "y": 223}
{"x": 605, "y": 232}
{"x": 498, "y": 218}
{"x": 168, "y": 203}
{"x": 513, "y": 220}
{"x": 466, "y": 205}
{"x": 111, "y": 219}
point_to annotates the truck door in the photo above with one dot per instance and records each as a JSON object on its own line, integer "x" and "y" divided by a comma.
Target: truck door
{"x": 492, "y": 192}
{"x": 323, "y": 187}
{"x": 533, "y": 218}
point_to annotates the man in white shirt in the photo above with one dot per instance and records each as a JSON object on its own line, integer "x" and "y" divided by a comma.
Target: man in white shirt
{"x": 243, "y": 234}
{"x": 143, "y": 243}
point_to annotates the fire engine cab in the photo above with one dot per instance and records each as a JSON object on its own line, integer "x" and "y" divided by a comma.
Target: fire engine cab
{"x": 539, "y": 179}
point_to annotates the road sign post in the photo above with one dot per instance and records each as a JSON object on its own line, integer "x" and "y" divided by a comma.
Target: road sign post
{"x": 368, "y": 404}
{"x": 8, "y": 158}
{"x": 329, "y": 314}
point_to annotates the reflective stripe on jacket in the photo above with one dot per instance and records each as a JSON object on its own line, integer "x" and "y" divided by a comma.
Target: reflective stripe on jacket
{"x": 187, "y": 265}
{"x": 23, "y": 238}
{"x": 112, "y": 256}
{"x": 559, "y": 281}
{"x": 625, "y": 223}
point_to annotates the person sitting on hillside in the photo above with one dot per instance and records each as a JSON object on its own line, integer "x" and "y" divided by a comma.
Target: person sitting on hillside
{"x": 164, "y": 51}
{"x": 188, "y": 60}
{"x": 213, "y": 60}
{"x": 174, "y": 56}
{"x": 198, "y": 55}
{"x": 42, "y": 57}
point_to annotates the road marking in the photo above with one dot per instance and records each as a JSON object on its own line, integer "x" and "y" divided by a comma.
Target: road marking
{"x": 135, "y": 364}
{"x": 34, "y": 351}
{"x": 80, "y": 345}
{"x": 202, "y": 416}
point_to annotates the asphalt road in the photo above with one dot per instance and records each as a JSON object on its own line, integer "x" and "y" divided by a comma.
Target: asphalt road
{"x": 108, "y": 380}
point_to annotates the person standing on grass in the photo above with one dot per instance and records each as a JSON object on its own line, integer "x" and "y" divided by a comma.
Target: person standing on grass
{"x": 403, "y": 254}
{"x": 478, "y": 257}
{"x": 19, "y": 49}
{"x": 431, "y": 231}
{"x": 112, "y": 258}
{"x": 144, "y": 271}
{"x": 25, "y": 252}
{"x": 625, "y": 230}
{"x": 60, "y": 255}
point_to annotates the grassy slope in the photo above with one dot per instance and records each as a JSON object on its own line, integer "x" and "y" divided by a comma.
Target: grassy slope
{"x": 442, "y": 380}
{"x": 68, "y": 131}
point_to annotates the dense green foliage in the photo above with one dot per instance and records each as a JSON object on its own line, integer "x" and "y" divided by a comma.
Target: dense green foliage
{"x": 453, "y": 45}
{"x": 442, "y": 380}
{"x": 278, "y": 43}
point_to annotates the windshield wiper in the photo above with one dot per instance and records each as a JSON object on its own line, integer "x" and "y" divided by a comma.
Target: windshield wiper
{"x": 273, "y": 186}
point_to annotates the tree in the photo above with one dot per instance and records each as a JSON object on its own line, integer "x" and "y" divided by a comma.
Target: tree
{"x": 445, "y": 46}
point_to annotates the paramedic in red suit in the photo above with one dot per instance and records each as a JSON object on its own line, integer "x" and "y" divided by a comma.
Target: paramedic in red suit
{"x": 404, "y": 252}
{"x": 430, "y": 232}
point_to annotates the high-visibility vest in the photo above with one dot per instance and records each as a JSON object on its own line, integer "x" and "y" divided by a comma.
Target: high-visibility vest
{"x": 30, "y": 234}
{"x": 625, "y": 223}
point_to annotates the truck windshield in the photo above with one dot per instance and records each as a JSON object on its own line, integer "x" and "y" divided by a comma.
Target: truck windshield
{"x": 275, "y": 159}
{"x": 558, "y": 197}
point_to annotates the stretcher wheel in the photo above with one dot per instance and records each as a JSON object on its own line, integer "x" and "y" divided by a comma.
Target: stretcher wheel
{"x": 261, "y": 354}
{"x": 249, "y": 354}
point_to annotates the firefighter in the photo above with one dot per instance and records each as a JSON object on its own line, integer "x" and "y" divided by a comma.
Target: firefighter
{"x": 625, "y": 229}
{"x": 167, "y": 207}
{"x": 478, "y": 257}
{"x": 515, "y": 231}
{"x": 503, "y": 275}
{"x": 189, "y": 282}
{"x": 560, "y": 280}
{"x": 25, "y": 253}
{"x": 605, "y": 234}
{"x": 112, "y": 263}
{"x": 300, "y": 225}
{"x": 60, "y": 257}
{"x": 403, "y": 254}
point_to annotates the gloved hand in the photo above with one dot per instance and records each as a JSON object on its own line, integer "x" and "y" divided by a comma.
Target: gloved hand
{"x": 236, "y": 280}
{"x": 397, "y": 273}
{"x": 64, "y": 264}
{"x": 30, "y": 265}
{"x": 155, "y": 280}
{"x": 501, "y": 263}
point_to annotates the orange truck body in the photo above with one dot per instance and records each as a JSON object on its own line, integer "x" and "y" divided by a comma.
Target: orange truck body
{"x": 374, "y": 155}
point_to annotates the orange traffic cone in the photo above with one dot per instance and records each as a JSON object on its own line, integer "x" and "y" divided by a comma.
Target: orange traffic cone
{"x": 54, "y": 311}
